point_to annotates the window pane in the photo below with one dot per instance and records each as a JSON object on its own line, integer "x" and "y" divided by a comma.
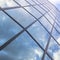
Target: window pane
{"x": 44, "y": 7}
{"x": 7, "y": 3}
{"x": 49, "y": 18}
{"x": 40, "y": 9}
{"x": 39, "y": 33}
{"x": 35, "y": 1}
{"x": 33, "y": 11}
{"x": 24, "y": 49}
{"x": 22, "y": 2}
{"x": 8, "y": 28}
{"x": 45, "y": 22}
{"x": 58, "y": 22}
{"x": 53, "y": 49}
{"x": 46, "y": 58}
{"x": 31, "y": 1}
{"x": 56, "y": 35}
{"x": 21, "y": 16}
{"x": 57, "y": 27}
{"x": 51, "y": 15}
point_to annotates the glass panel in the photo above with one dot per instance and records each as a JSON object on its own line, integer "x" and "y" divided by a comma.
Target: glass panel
{"x": 7, "y": 3}
{"x": 53, "y": 12}
{"x": 39, "y": 33}
{"x": 24, "y": 49}
{"x": 57, "y": 22}
{"x": 49, "y": 6}
{"x": 35, "y": 1}
{"x": 49, "y": 18}
{"x": 56, "y": 35}
{"x": 51, "y": 15}
{"x": 33, "y": 11}
{"x": 31, "y": 1}
{"x": 58, "y": 15}
{"x": 44, "y": 7}
{"x": 40, "y": 9}
{"x": 44, "y": 21}
{"x": 46, "y": 58}
{"x": 57, "y": 27}
{"x": 54, "y": 49}
{"x": 8, "y": 28}
{"x": 22, "y": 2}
{"x": 46, "y": 4}
{"x": 23, "y": 17}
{"x": 42, "y": 2}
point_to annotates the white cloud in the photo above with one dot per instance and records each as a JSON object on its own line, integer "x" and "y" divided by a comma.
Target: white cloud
{"x": 56, "y": 55}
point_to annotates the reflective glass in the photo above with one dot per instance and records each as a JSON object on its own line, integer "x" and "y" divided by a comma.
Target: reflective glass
{"x": 49, "y": 18}
{"x": 45, "y": 22}
{"x": 35, "y": 1}
{"x": 56, "y": 35}
{"x": 8, "y": 28}
{"x": 53, "y": 49}
{"x": 23, "y": 48}
{"x": 57, "y": 22}
{"x": 22, "y": 2}
{"x": 39, "y": 33}
{"x": 31, "y": 1}
{"x": 30, "y": 43}
{"x": 57, "y": 27}
{"x": 44, "y": 7}
{"x": 51, "y": 15}
{"x": 23, "y": 17}
{"x": 7, "y": 3}
{"x": 33, "y": 11}
{"x": 40, "y": 9}
{"x": 47, "y": 58}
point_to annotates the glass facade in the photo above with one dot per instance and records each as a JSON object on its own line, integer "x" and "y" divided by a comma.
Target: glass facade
{"x": 29, "y": 30}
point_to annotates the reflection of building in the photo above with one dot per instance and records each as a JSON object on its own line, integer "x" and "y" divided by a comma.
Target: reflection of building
{"x": 29, "y": 30}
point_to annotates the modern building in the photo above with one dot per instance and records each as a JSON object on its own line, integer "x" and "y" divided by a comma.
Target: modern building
{"x": 29, "y": 30}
